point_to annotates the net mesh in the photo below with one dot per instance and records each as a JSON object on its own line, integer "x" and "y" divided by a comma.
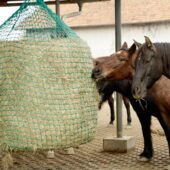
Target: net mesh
{"x": 47, "y": 98}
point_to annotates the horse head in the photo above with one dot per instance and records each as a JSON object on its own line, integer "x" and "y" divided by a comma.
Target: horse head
{"x": 117, "y": 66}
{"x": 147, "y": 70}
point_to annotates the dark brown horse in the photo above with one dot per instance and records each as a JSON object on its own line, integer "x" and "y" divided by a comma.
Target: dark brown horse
{"x": 106, "y": 89}
{"x": 124, "y": 69}
{"x": 153, "y": 61}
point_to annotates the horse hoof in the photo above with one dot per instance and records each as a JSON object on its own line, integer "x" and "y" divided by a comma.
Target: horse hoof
{"x": 111, "y": 122}
{"x": 110, "y": 125}
{"x": 143, "y": 159}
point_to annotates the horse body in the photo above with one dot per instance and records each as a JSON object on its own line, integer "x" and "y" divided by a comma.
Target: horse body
{"x": 154, "y": 106}
{"x": 153, "y": 61}
{"x": 162, "y": 97}
{"x": 106, "y": 89}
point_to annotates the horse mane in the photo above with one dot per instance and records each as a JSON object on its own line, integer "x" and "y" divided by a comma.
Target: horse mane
{"x": 164, "y": 52}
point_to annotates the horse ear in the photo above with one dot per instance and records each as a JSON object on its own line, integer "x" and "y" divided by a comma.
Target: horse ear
{"x": 132, "y": 49}
{"x": 148, "y": 41}
{"x": 137, "y": 43}
{"x": 124, "y": 46}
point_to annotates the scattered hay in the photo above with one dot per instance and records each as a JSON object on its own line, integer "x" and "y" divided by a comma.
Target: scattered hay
{"x": 7, "y": 161}
{"x": 6, "y": 156}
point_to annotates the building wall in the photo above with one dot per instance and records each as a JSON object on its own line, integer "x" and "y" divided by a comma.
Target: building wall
{"x": 102, "y": 39}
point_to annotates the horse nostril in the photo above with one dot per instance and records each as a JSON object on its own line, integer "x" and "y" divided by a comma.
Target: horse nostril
{"x": 97, "y": 71}
{"x": 137, "y": 90}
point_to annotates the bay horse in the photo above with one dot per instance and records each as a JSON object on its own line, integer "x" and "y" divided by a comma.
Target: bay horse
{"x": 153, "y": 61}
{"x": 120, "y": 67}
{"x": 105, "y": 90}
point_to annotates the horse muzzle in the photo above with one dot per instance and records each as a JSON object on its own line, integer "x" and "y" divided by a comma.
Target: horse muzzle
{"x": 96, "y": 75}
{"x": 136, "y": 91}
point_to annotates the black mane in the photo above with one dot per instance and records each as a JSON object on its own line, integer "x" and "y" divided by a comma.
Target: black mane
{"x": 164, "y": 52}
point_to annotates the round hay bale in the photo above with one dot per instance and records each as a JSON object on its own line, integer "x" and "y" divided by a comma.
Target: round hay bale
{"x": 47, "y": 97}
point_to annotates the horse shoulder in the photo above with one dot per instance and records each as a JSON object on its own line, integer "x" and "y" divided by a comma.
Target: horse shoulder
{"x": 160, "y": 92}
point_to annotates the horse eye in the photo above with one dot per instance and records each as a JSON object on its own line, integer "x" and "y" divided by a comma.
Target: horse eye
{"x": 96, "y": 63}
{"x": 148, "y": 59}
{"x": 122, "y": 58}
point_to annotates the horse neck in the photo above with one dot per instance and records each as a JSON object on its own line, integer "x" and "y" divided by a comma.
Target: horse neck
{"x": 123, "y": 87}
{"x": 131, "y": 65}
{"x": 164, "y": 54}
{"x": 127, "y": 73}
{"x": 127, "y": 69}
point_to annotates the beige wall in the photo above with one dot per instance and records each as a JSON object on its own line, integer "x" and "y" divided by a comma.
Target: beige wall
{"x": 102, "y": 42}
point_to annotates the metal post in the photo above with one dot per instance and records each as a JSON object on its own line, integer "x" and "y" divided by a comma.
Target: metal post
{"x": 57, "y": 7}
{"x": 118, "y": 45}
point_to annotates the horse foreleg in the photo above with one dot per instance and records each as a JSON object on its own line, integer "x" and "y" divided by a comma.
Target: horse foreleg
{"x": 145, "y": 120}
{"x": 104, "y": 97}
{"x": 127, "y": 105}
{"x": 112, "y": 112}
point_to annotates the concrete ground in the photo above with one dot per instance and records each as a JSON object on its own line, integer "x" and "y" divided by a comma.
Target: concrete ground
{"x": 92, "y": 157}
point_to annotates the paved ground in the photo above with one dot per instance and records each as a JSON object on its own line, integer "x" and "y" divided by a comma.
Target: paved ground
{"x": 91, "y": 156}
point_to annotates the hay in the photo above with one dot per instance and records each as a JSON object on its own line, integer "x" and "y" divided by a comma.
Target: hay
{"x": 47, "y": 96}
{"x": 7, "y": 161}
